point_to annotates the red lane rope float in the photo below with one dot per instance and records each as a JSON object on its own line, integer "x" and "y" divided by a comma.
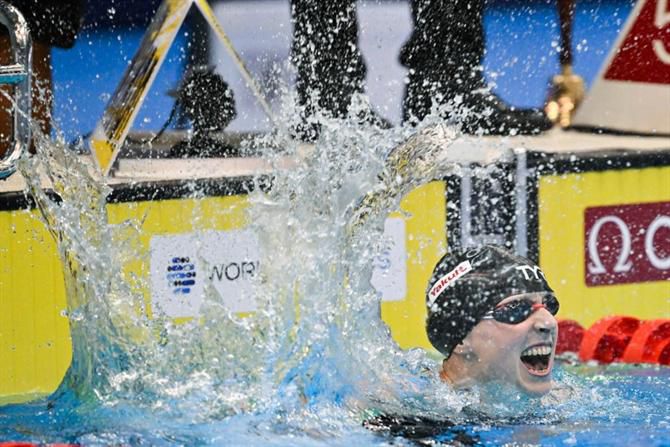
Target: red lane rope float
{"x": 649, "y": 342}
{"x": 664, "y": 353}
{"x": 607, "y": 339}
{"x": 570, "y": 336}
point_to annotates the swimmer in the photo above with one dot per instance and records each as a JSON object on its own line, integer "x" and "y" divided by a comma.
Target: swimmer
{"x": 491, "y": 314}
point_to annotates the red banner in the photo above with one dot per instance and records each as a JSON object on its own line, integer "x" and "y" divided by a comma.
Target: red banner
{"x": 627, "y": 243}
{"x": 644, "y": 55}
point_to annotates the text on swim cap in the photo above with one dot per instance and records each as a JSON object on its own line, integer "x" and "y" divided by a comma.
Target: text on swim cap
{"x": 528, "y": 269}
{"x": 448, "y": 279}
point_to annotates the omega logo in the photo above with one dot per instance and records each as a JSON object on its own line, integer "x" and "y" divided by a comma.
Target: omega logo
{"x": 623, "y": 263}
{"x": 627, "y": 243}
{"x": 661, "y": 264}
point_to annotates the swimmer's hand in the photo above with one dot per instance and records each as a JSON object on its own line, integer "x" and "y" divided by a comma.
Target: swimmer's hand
{"x": 420, "y": 159}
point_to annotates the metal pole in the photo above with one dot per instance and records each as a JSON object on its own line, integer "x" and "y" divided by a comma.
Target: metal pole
{"x": 18, "y": 74}
{"x": 521, "y": 206}
{"x": 567, "y": 87}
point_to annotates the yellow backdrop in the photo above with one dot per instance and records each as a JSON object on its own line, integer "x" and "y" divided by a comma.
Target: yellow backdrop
{"x": 35, "y": 348}
{"x": 562, "y": 202}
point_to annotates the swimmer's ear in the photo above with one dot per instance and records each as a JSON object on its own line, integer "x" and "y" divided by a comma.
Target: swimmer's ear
{"x": 443, "y": 371}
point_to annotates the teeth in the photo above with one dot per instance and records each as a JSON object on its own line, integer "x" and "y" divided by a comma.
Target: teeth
{"x": 538, "y": 350}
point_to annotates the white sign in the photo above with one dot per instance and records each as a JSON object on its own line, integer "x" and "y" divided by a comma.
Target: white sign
{"x": 450, "y": 278}
{"x": 389, "y": 276}
{"x": 183, "y": 265}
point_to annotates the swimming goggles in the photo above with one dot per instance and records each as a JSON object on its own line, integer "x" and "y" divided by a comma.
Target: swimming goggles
{"x": 518, "y": 310}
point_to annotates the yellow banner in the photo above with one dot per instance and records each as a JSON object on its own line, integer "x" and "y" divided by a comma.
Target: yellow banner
{"x": 564, "y": 204}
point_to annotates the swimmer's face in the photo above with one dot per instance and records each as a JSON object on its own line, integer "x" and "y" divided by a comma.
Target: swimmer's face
{"x": 516, "y": 354}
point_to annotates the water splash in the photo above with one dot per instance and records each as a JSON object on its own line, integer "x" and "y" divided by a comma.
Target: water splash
{"x": 313, "y": 300}
{"x": 100, "y": 305}
{"x": 311, "y": 364}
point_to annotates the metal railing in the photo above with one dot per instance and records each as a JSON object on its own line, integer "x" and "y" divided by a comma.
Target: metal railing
{"x": 17, "y": 74}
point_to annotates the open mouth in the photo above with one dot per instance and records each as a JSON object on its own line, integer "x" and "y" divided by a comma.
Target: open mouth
{"x": 536, "y": 359}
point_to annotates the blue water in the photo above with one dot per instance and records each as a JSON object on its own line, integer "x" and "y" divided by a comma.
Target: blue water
{"x": 617, "y": 405}
{"x": 275, "y": 379}
{"x": 630, "y": 406}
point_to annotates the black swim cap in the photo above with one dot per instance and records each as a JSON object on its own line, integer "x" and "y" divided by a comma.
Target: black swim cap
{"x": 466, "y": 285}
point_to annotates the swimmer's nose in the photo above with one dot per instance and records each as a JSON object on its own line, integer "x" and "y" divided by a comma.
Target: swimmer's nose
{"x": 544, "y": 322}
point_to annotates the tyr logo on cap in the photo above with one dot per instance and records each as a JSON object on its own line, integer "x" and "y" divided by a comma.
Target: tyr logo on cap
{"x": 448, "y": 279}
{"x": 527, "y": 270}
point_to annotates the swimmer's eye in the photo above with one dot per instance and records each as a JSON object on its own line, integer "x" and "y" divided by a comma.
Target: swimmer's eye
{"x": 510, "y": 305}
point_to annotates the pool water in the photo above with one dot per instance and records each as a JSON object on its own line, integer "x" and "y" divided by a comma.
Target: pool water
{"x": 612, "y": 405}
{"x": 316, "y": 362}
{"x": 629, "y": 405}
